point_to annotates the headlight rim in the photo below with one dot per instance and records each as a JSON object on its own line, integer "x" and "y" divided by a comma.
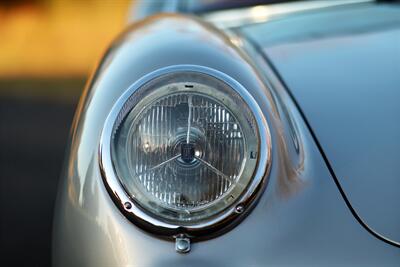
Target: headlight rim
{"x": 204, "y": 229}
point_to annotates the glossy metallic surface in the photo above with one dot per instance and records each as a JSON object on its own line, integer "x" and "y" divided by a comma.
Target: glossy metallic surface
{"x": 262, "y": 13}
{"x": 344, "y": 72}
{"x": 182, "y": 244}
{"x": 300, "y": 219}
{"x": 206, "y": 228}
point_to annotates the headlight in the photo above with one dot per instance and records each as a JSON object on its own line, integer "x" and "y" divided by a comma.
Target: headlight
{"x": 185, "y": 148}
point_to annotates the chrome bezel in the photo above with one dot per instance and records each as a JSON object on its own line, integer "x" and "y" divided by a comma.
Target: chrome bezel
{"x": 206, "y": 228}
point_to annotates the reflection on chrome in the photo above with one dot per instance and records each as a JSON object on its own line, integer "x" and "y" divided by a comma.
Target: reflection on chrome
{"x": 184, "y": 151}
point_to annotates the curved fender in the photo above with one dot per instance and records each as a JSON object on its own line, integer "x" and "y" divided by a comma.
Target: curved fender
{"x": 300, "y": 218}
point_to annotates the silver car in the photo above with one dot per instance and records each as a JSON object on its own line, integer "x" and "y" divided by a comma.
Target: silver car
{"x": 238, "y": 133}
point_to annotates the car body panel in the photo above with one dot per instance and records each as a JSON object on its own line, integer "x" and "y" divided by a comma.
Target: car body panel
{"x": 343, "y": 68}
{"x": 300, "y": 219}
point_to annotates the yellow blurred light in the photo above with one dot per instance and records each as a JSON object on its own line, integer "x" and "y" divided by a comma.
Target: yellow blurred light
{"x": 58, "y": 38}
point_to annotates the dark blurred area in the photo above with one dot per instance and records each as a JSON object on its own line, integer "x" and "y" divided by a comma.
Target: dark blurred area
{"x": 47, "y": 50}
{"x": 33, "y": 134}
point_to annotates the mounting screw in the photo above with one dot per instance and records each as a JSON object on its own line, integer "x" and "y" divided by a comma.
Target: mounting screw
{"x": 239, "y": 208}
{"x": 182, "y": 244}
{"x": 127, "y": 205}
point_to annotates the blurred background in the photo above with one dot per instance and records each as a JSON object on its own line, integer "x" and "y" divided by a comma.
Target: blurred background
{"x": 47, "y": 51}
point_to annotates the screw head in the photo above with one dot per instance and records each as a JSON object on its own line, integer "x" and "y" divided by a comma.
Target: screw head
{"x": 239, "y": 209}
{"x": 128, "y": 205}
{"x": 182, "y": 245}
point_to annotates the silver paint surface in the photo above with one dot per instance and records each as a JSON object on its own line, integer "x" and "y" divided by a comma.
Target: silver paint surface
{"x": 300, "y": 219}
{"x": 344, "y": 72}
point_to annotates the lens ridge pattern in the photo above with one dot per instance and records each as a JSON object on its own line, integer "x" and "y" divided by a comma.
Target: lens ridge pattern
{"x": 185, "y": 149}
{"x": 155, "y": 156}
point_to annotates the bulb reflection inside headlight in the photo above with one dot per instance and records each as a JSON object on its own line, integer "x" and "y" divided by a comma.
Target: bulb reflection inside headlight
{"x": 185, "y": 147}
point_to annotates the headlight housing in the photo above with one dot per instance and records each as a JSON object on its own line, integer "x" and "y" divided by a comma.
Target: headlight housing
{"x": 185, "y": 150}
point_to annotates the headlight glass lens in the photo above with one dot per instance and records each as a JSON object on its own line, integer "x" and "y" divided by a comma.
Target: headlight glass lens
{"x": 185, "y": 147}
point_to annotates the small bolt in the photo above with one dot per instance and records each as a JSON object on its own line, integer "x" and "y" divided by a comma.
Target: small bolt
{"x": 239, "y": 209}
{"x": 182, "y": 244}
{"x": 128, "y": 205}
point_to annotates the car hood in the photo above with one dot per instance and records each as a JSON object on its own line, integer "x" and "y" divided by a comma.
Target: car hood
{"x": 342, "y": 67}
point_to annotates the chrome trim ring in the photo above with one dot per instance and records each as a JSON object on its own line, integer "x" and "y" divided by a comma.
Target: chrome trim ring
{"x": 207, "y": 228}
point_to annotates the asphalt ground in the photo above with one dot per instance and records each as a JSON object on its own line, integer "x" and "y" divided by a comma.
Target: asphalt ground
{"x": 35, "y": 119}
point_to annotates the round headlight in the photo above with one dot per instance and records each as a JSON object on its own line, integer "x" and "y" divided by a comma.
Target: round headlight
{"x": 186, "y": 147}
